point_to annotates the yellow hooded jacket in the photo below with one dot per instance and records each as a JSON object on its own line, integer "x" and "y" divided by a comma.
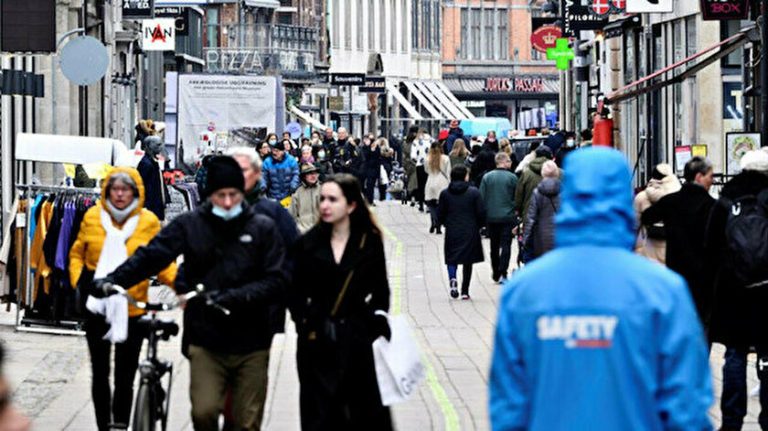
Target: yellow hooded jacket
{"x": 86, "y": 249}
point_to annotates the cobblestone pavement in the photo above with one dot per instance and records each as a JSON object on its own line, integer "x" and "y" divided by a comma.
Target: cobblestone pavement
{"x": 51, "y": 374}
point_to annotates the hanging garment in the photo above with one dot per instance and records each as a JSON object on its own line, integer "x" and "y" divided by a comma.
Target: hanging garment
{"x": 42, "y": 270}
{"x": 62, "y": 245}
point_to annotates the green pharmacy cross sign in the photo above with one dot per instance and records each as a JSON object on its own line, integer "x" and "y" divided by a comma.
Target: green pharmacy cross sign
{"x": 561, "y": 53}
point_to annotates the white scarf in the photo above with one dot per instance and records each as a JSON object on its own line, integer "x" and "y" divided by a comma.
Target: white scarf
{"x": 113, "y": 253}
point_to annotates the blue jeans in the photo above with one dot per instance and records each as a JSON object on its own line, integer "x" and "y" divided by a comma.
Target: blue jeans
{"x": 466, "y": 276}
{"x": 733, "y": 402}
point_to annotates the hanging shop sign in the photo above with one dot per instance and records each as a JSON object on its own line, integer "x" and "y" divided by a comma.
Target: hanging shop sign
{"x": 519, "y": 85}
{"x": 540, "y": 22}
{"x": 545, "y": 37}
{"x": 357, "y": 79}
{"x": 721, "y": 10}
{"x": 180, "y": 16}
{"x": 562, "y": 54}
{"x": 604, "y": 8}
{"x": 158, "y": 34}
{"x": 577, "y": 17}
{"x": 649, "y": 6}
{"x": 138, "y": 9}
{"x": 374, "y": 84}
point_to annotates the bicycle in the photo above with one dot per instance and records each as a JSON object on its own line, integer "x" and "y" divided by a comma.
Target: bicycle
{"x": 152, "y": 400}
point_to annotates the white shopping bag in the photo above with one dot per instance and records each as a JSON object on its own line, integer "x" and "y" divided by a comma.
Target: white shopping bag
{"x": 383, "y": 177}
{"x": 398, "y": 363}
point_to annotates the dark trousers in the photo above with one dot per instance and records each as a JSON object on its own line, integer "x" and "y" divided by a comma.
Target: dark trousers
{"x": 527, "y": 251}
{"x": 733, "y": 402}
{"x": 466, "y": 276}
{"x": 432, "y": 208}
{"x": 369, "y": 185}
{"x": 501, "y": 247}
{"x": 421, "y": 181}
{"x": 111, "y": 408}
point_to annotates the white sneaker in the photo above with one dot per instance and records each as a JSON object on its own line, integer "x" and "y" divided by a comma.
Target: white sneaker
{"x": 454, "y": 288}
{"x": 755, "y": 392}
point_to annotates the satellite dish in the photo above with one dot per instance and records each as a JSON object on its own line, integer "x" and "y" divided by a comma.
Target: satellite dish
{"x": 84, "y": 60}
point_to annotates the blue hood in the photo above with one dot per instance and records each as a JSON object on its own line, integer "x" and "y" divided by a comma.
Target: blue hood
{"x": 596, "y": 200}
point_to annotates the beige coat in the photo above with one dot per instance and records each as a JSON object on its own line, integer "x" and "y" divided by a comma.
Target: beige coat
{"x": 654, "y": 249}
{"x": 305, "y": 206}
{"x": 437, "y": 181}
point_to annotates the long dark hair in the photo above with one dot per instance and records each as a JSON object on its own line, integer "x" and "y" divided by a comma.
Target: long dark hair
{"x": 413, "y": 133}
{"x": 361, "y": 219}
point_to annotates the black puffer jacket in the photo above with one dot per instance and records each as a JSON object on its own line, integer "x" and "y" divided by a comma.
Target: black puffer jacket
{"x": 462, "y": 211}
{"x": 541, "y": 216}
{"x": 241, "y": 258}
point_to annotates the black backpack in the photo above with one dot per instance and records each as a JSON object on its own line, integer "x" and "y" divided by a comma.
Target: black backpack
{"x": 746, "y": 238}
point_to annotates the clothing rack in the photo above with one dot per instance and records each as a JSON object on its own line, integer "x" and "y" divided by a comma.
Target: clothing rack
{"x": 27, "y": 324}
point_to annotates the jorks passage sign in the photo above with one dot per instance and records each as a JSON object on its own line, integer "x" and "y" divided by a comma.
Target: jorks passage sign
{"x": 228, "y": 102}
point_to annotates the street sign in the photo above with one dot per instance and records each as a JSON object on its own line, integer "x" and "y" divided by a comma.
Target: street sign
{"x": 374, "y": 84}
{"x": 158, "y": 34}
{"x": 578, "y": 17}
{"x": 348, "y": 79}
{"x": 649, "y": 6}
{"x": 562, "y": 54}
{"x": 721, "y": 10}
{"x": 138, "y": 9}
{"x": 84, "y": 60}
{"x": 545, "y": 37}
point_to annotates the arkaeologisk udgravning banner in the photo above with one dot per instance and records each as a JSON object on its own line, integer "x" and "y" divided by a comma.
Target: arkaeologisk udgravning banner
{"x": 228, "y": 101}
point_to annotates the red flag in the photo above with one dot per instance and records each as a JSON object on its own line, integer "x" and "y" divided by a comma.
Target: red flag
{"x": 600, "y": 7}
{"x": 619, "y": 4}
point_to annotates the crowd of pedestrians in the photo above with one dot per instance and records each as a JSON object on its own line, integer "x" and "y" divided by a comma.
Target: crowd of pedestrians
{"x": 289, "y": 225}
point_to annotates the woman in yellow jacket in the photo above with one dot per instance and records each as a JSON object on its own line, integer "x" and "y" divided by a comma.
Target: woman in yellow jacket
{"x": 118, "y": 215}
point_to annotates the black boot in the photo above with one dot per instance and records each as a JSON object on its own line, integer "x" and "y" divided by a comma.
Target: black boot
{"x": 432, "y": 229}
{"x": 438, "y": 231}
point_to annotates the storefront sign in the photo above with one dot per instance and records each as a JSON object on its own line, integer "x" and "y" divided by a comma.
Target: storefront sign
{"x": 348, "y": 79}
{"x": 180, "y": 16}
{"x": 603, "y": 8}
{"x": 545, "y": 37}
{"x": 374, "y": 84}
{"x": 520, "y": 85}
{"x": 138, "y": 9}
{"x": 649, "y": 6}
{"x": 562, "y": 54}
{"x": 254, "y": 61}
{"x": 577, "y": 17}
{"x": 158, "y": 34}
{"x": 720, "y": 10}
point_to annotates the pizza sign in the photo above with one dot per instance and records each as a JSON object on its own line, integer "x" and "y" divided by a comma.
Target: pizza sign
{"x": 545, "y": 37}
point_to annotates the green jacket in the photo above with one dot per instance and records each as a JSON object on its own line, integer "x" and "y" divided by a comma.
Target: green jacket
{"x": 529, "y": 180}
{"x": 498, "y": 191}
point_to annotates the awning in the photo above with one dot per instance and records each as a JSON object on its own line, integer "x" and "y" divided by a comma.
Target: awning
{"x": 423, "y": 101}
{"x": 447, "y": 92}
{"x": 306, "y": 118}
{"x": 455, "y": 110}
{"x": 635, "y": 89}
{"x": 446, "y": 113}
{"x": 413, "y": 112}
{"x": 271, "y": 4}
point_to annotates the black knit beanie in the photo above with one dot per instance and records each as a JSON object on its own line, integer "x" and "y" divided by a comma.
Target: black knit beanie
{"x": 223, "y": 172}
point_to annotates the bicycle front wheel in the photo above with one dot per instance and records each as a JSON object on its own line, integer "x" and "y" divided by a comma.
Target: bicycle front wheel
{"x": 143, "y": 417}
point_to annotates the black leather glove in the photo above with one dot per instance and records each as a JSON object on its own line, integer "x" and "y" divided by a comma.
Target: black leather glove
{"x": 102, "y": 287}
{"x": 380, "y": 326}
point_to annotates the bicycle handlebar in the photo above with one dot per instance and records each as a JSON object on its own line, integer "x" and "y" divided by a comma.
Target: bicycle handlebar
{"x": 180, "y": 300}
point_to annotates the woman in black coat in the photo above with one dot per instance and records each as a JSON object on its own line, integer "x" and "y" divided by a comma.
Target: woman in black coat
{"x": 339, "y": 301}
{"x": 371, "y": 171}
{"x": 462, "y": 212}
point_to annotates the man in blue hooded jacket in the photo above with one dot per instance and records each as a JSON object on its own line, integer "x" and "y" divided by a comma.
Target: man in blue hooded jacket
{"x": 594, "y": 337}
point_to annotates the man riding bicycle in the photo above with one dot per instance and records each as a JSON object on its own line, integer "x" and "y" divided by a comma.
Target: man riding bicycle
{"x": 237, "y": 255}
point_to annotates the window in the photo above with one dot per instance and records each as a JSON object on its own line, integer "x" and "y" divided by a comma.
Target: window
{"x": 728, "y": 29}
{"x": 403, "y": 24}
{"x": 503, "y": 35}
{"x": 359, "y": 14}
{"x": 475, "y": 33}
{"x": 488, "y": 49}
{"x": 371, "y": 26}
{"x": 382, "y": 26}
{"x": 464, "y": 47}
{"x": 212, "y": 27}
{"x": 347, "y": 23}
{"x": 437, "y": 26}
{"x": 690, "y": 37}
{"x": 393, "y": 21}
{"x": 336, "y": 23}
{"x": 415, "y": 8}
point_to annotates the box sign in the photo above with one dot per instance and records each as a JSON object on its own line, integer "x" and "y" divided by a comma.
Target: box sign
{"x": 158, "y": 34}
{"x": 348, "y": 79}
{"x": 519, "y": 85}
{"x": 138, "y": 9}
{"x": 577, "y": 17}
{"x": 721, "y": 10}
{"x": 374, "y": 84}
{"x": 545, "y": 37}
{"x": 649, "y": 6}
